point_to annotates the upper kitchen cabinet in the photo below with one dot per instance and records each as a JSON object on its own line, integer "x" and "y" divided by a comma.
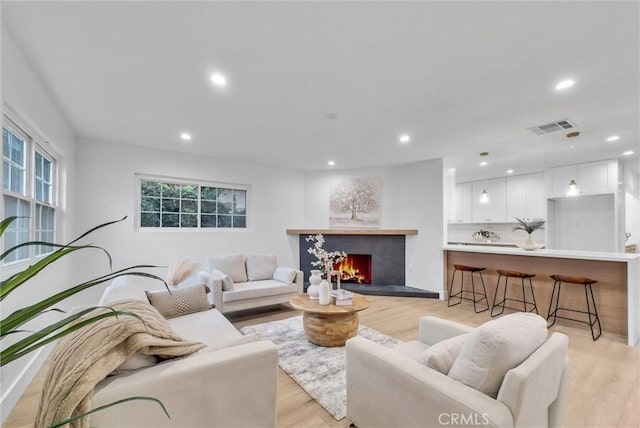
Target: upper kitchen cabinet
{"x": 462, "y": 212}
{"x": 491, "y": 208}
{"x": 526, "y": 197}
{"x": 592, "y": 178}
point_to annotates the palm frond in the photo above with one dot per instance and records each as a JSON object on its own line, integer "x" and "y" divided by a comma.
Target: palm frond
{"x": 529, "y": 226}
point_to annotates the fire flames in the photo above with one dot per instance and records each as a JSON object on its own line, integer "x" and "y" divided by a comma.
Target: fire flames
{"x": 355, "y": 268}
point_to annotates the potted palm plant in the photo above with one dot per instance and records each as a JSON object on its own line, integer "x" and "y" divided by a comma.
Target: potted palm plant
{"x": 529, "y": 226}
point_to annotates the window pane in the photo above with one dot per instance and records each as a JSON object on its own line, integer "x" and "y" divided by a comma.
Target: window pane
{"x": 171, "y": 205}
{"x": 170, "y": 220}
{"x": 224, "y": 221}
{"x": 208, "y": 207}
{"x": 209, "y": 193}
{"x": 44, "y": 228}
{"x": 190, "y": 192}
{"x": 239, "y": 221}
{"x": 150, "y": 188}
{"x": 170, "y": 190}
{"x": 13, "y": 159}
{"x": 188, "y": 220}
{"x": 150, "y": 219}
{"x": 150, "y": 204}
{"x": 239, "y": 201}
{"x": 18, "y": 231}
{"x": 189, "y": 206}
{"x": 208, "y": 221}
{"x": 43, "y": 179}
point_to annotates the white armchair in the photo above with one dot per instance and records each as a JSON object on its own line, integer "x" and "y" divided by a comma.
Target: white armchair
{"x": 392, "y": 388}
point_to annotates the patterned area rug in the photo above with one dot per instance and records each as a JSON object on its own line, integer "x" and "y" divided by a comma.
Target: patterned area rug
{"x": 318, "y": 370}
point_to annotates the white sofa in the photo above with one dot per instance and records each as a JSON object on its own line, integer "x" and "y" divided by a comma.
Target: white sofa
{"x": 240, "y": 282}
{"x": 394, "y": 388}
{"x": 231, "y": 386}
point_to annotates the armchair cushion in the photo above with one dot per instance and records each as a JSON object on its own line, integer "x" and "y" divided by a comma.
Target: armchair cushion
{"x": 496, "y": 347}
{"x": 231, "y": 265}
{"x": 180, "y": 301}
{"x": 261, "y": 266}
{"x": 284, "y": 274}
{"x": 442, "y": 355}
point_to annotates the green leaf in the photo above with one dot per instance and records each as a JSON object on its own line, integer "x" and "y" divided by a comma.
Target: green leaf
{"x": 5, "y": 223}
{"x": 106, "y": 406}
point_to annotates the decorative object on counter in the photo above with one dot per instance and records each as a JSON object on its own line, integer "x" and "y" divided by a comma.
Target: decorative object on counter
{"x": 529, "y": 226}
{"x": 180, "y": 270}
{"x": 485, "y": 236}
{"x": 342, "y": 297}
{"x": 324, "y": 298}
{"x": 314, "y": 289}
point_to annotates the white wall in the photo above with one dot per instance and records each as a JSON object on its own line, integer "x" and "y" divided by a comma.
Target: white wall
{"x": 412, "y": 199}
{"x": 24, "y": 95}
{"x": 106, "y": 190}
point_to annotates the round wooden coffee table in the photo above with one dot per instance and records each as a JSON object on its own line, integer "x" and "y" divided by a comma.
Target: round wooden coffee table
{"x": 329, "y": 325}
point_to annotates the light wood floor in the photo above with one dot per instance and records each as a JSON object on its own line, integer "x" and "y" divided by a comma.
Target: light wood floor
{"x": 604, "y": 389}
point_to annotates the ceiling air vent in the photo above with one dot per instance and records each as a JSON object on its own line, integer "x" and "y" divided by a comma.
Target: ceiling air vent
{"x": 548, "y": 128}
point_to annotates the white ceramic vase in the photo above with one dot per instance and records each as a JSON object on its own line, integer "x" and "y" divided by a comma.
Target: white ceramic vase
{"x": 324, "y": 296}
{"x": 314, "y": 289}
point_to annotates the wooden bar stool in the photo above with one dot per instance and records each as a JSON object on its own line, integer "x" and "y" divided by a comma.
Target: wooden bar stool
{"x": 477, "y": 295}
{"x": 502, "y": 304}
{"x": 593, "y": 316}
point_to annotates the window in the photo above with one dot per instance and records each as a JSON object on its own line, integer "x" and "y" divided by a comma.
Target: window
{"x": 166, "y": 204}
{"x": 28, "y": 192}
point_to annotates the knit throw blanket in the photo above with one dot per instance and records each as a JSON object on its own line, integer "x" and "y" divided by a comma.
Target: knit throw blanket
{"x": 85, "y": 357}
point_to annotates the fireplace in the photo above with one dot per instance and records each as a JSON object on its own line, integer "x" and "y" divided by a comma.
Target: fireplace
{"x": 355, "y": 268}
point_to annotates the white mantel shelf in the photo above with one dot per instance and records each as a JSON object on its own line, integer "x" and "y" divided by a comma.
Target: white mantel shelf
{"x": 352, "y": 231}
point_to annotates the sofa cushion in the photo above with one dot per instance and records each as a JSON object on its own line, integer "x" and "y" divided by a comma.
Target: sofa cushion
{"x": 227, "y": 282}
{"x": 496, "y": 347}
{"x": 122, "y": 289}
{"x": 231, "y": 265}
{"x": 135, "y": 362}
{"x": 246, "y": 338}
{"x": 255, "y": 289}
{"x": 180, "y": 300}
{"x": 412, "y": 349}
{"x": 284, "y": 274}
{"x": 441, "y": 356}
{"x": 209, "y": 327}
{"x": 260, "y": 266}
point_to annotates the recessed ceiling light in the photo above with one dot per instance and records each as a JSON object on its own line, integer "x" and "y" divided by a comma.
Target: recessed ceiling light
{"x": 331, "y": 163}
{"x": 628, "y": 153}
{"x": 509, "y": 171}
{"x": 483, "y": 163}
{"x": 405, "y": 138}
{"x": 218, "y": 79}
{"x": 613, "y": 138}
{"x": 565, "y": 84}
{"x": 185, "y": 136}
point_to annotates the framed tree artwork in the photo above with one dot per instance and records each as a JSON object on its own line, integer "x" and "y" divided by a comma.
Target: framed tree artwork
{"x": 355, "y": 203}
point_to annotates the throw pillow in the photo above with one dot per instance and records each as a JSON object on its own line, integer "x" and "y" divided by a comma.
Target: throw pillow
{"x": 180, "y": 300}
{"x": 496, "y": 347}
{"x": 442, "y": 355}
{"x": 231, "y": 265}
{"x": 227, "y": 282}
{"x": 260, "y": 266}
{"x": 284, "y": 274}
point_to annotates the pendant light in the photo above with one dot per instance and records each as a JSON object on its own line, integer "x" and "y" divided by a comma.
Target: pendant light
{"x": 572, "y": 190}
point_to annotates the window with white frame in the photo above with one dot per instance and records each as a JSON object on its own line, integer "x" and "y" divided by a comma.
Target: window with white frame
{"x": 28, "y": 178}
{"x": 175, "y": 204}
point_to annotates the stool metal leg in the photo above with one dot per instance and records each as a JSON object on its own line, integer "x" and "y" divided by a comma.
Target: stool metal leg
{"x": 453, "y": 277}
{"x": 533, "y": 297}
{"x": 484, "y": 295}
{"x": 495, "y": 296}
{"x": 595, "y": 312}
{"x": 555, "y": 311}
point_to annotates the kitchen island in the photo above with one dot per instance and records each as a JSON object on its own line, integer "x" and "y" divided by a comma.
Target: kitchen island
{"x": 617, "y": 292}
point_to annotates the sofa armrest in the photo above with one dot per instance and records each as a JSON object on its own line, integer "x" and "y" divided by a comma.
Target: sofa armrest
{"x": 215, "y": 284}
{"x": 387, "y": 389}
{"x": 432, "y": 330}
{"x": 300, "y": 281}
{"x": 231, "y": 387}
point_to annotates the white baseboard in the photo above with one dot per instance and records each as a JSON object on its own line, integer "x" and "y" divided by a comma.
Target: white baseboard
{"x": 12, "y": 393}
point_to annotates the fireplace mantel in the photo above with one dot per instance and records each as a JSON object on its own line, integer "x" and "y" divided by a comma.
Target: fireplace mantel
{"x": 395, "y": 232}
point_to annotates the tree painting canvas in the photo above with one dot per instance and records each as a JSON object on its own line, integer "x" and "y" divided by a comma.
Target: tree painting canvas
{"x": 355, "y": 202}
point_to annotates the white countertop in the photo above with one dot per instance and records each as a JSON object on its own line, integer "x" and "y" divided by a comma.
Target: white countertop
{"x": 480, "y": 243}
{"x": 561, "y": 254}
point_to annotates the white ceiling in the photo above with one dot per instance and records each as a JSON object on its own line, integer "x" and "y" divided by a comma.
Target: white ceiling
{"x": 460, "y": 77}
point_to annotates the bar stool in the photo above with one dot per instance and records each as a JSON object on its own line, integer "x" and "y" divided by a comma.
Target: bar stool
{"x": 502, "y": 304}
{"x": 559, "y": 279}
{"x": 481, "y": 295}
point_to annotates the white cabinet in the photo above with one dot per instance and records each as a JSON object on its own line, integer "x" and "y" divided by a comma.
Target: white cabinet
{"x": 536, "y": 197}
{"x": 462, "y": 213}
{"x": 593, "y": 178}
{"x": 494, "y": 209}
{"x": 516, "y": 197}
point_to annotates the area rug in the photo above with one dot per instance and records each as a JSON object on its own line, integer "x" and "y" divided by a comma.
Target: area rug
{"x": 318, "y": 370}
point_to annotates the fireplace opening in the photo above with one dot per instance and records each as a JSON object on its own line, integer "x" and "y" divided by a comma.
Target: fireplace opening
{"x": 355, "y": 268}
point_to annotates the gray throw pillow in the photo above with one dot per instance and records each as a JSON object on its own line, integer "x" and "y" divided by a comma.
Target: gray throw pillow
{"x": 180, "y": 301}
